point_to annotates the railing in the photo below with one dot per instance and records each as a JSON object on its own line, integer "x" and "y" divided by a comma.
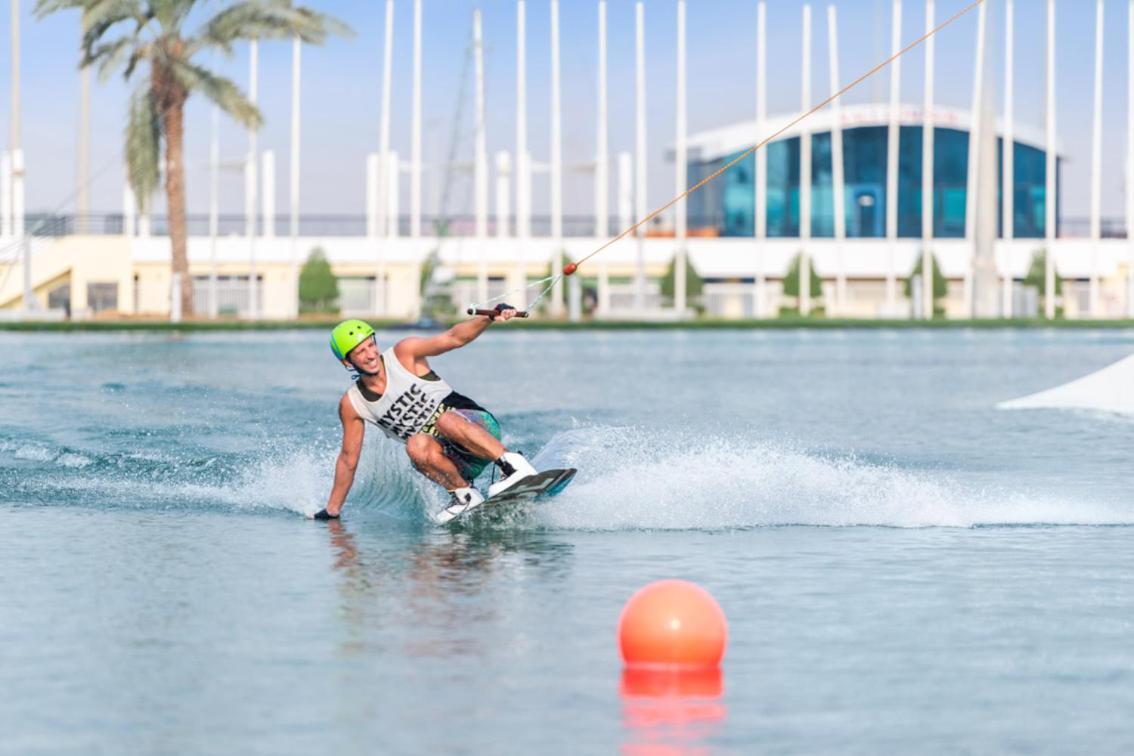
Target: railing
{"x": 100, "y": 224}
{"x": 316, "y": 224}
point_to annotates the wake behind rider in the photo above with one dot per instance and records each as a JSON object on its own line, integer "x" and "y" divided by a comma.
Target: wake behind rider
{"x": 448, "y": 437}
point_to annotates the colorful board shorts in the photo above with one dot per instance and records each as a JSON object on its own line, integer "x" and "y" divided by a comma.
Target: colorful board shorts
{"x": 468, "y": 464}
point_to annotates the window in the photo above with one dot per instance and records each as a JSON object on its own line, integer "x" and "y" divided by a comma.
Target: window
{"x": 233, "y": 295}
{"x": 102, "y": 296}
{"x": 727, "y": 204}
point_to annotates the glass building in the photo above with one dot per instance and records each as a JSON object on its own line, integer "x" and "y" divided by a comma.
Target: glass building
{"x": 727, "y": 206}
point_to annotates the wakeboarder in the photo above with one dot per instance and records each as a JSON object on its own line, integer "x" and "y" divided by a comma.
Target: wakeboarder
{"x": 449, "y": 437}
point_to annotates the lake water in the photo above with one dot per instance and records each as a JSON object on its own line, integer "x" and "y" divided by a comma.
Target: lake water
{"x": 904, "y": 567}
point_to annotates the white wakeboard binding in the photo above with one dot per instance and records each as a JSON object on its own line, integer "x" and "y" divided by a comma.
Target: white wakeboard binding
{"x": 515, "y": 469}
{"x": 461, "y": 501}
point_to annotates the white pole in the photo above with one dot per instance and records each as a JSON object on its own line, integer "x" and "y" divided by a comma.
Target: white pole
{"x": 381, "y": 182}
{"x": 625, "y": 197}
{"x": 1130, "y": 162}
{"x": 973, "y": 161}
{"x": 83, "y": 173}
{"x": 521, "y": 181}
{"x": 503, "y": 176}
{"x": 250, "y": 187}
{"x": 268, "y": 198}
{"x": 837, "y": 180}
{"x": 175, "y": 285}
{"x": 18, "y": 159}
{"x": 293, "y": 174}
{"x": 1008, "y": 175}
{"x": 625, "y": 209}
{"x": 1050, "y": 164}
{"x": 602, "y": 149}
{"x": 480, "y": 167}
{"x": 214, "y": 207}
{"x": 393, "y": 174}
{"x": 372, "y": 195}
{"x": 640, "y": 150}
{"x": 893, "y": 137}
{"x": 523, "y": 184}
{"x": 144, "y": 226}
{"x": 5, "y": 195}
{"x": 681, "y": 172}
{"x": 18, "y": 209}
{"x": 556, "y": 166}
{"x": 384, "y": 126}
{"x": 927, "y": 173}
{"x": 805, "y": 170}
{"x": 602, "y": 164}
{"x": 129, "y": 212}
{"x": 14, "y": 57}
{"x": 626, "y": 189}
{"x": 760, "y": 189}
{"x": 1096, "y": 164}
{"x": 415, "y": 127}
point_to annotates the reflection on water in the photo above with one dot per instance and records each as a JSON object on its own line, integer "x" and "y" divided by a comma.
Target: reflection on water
{"x": 671, "y": 711}
{"x": 444, "y": 583}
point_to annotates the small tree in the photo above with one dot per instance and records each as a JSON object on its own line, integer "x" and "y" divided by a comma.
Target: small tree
{"x": 318, "y": 287}
{"x": 694, "y": 284}
{"x": 1037, "y": 277}
{"x": 791, "y": 280}
{"x": 940, "y": 285}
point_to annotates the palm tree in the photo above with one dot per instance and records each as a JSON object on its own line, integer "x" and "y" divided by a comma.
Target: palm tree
{"x": 126, "y": 34}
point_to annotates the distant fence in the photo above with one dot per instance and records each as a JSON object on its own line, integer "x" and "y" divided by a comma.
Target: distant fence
{"x": 100, "y": 224}
{"x": 114, "y": 224}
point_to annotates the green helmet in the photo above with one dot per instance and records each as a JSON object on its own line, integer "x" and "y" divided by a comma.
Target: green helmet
{"x": 349, "y": 334}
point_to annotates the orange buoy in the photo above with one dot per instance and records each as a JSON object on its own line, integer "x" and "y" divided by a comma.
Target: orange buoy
{"x": 672, "y": 623}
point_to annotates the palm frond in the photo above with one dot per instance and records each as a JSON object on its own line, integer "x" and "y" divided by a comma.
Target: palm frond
{"x": 107, "y": 56}
{"x": 171, "y": 13}
{"x": 97, "y": 45}
{"x": 47, "y": 7}
{"x": 266, "y": 19}
{"x": 100, "y": 16}
{"x": 143, "y": 144}
{"x": 220, "y": 90}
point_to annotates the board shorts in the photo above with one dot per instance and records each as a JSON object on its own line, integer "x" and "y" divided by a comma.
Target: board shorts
{"x": 468, "y": 464}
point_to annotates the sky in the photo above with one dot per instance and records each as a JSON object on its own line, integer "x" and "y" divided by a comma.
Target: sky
{"x": 342, "y": 81}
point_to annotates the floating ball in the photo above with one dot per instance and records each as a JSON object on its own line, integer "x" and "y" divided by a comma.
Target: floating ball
{"x": 672, "y": 623}
{"x": 569, "y": 268}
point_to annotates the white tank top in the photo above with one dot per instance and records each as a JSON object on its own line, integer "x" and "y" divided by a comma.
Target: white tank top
{"x": 409, "y": 405}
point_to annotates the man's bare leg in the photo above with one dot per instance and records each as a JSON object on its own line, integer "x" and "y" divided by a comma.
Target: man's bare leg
{"x": 469, "y": 436}
{"x": 429, "y": 458}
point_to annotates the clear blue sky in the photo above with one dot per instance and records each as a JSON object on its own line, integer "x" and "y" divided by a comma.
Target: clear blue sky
{"x": 342, "y": 83}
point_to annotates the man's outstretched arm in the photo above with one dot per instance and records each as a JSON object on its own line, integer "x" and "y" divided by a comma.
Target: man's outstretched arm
{"x": 353, "y": 432}
{"x": 416, "y": 348}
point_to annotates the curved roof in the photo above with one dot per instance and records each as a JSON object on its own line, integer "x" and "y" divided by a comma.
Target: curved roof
{"x": 728, "y": 140}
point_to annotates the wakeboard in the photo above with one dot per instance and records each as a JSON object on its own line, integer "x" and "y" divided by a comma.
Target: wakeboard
{"x": 542, "y": 485}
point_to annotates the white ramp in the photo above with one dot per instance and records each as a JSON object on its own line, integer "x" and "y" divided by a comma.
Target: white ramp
{"x": 1108, "y": 390}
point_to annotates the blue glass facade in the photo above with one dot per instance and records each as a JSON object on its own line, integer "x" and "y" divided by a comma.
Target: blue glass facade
{"x": 728, "y": 204}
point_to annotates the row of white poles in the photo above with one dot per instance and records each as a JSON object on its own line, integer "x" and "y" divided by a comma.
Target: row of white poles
{"x": 12, "y": 168}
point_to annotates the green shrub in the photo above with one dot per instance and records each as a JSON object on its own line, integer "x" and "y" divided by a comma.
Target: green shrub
{"x": 318, "y": 287}
{"x": 693, "y": 282}
{"x": 1037, "y": 277}
{"x": 940, "y": 285}
{"x": 791, "y": 280}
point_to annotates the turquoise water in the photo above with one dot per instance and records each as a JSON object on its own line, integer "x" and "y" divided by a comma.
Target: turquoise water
{"x": 904, "y": 567}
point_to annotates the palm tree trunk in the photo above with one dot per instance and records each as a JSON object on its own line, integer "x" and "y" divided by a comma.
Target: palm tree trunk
{"x": 174, "y": 124}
